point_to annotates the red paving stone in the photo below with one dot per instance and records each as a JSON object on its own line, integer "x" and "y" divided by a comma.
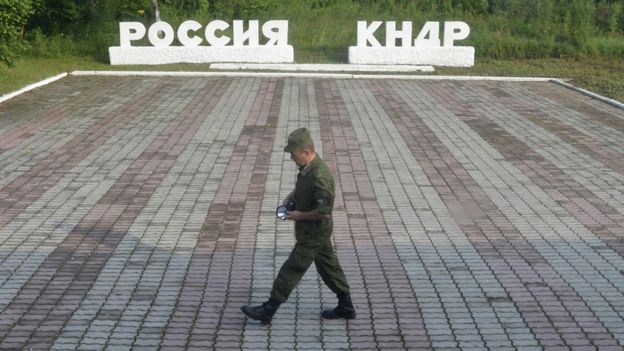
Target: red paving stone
{"x": 222, "y": 260}
{"x": 65, "y": 270}
{"x": 488, "y": 237}
{"x": 462, "y": 219}
{"x": 364, "y": 217}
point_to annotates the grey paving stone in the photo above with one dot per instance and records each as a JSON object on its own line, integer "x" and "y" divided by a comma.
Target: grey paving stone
{"x": 468, "y": 214}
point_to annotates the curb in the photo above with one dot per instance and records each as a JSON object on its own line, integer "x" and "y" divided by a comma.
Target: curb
{"x": 305, "y": 75}
{"x": 208, "y": 74}
{"x": 33, "y": 86}
{"x": 590, "y": 94}
{"x": 320, "y": 67}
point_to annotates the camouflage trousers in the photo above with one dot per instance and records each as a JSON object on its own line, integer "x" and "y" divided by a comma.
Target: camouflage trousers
{"x": 301, "y": 257}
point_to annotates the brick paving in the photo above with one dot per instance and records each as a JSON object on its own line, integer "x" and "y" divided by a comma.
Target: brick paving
{"x": 138, "y": 213}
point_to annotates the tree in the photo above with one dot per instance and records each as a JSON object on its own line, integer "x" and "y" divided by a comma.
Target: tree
{"x": 156, "y": 10}
{"x": 13, "y": 18}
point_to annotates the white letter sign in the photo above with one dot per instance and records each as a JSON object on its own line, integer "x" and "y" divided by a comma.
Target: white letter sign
{"x": 211, "y": 35}
{"x": 129, "y": 31}
{"x": 405, "y": 35}
{"x": 245, "y": 43}
{"x": 154, "y": 32}
{"x": 253, "y": 42}
{"x": 241, "y": 36}
{"x": 366, "y": 35}
{"x": 426, "y": 49}
{"x": 276, "y": 32}
{"x": 431, "y": 30}
{"x": 183, "y": 33}
{"x": 450, "y": 33}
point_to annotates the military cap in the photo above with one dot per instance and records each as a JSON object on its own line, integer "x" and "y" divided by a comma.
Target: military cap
{"x": 297, "y": 139}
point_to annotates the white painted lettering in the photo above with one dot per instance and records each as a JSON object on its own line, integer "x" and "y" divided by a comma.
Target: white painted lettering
{"x": 276, "y": 32}
{"x": 455, "y": 31}
{"x": 161, "y": 34}
{"x": 154, "y": 34}
{"x": 183, "y": 33}
{"x": 400, "y": 48}
{"x": 429, "y": 35}
{"x": 129, "y": 31}
{"x": 392, "y": 34}
{"x": 211, "y": 36}
{"x": 366, "y": 34}
{"x": 241, "y": 36}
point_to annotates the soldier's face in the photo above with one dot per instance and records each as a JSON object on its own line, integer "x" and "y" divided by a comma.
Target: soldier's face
{"x": 299, "y": 156}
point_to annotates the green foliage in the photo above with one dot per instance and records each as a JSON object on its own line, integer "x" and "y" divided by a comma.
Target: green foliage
{"x": 324, "y": 29}
{"x": 610, "y": 17}
{"x": 452, "y": 6}
{"x": 616, "y": 17}
{"x": 240, "y": 9}
{"x": 578, "y": 21}
{"x": 187, "y": 7}
{"x": 13, "y": 17}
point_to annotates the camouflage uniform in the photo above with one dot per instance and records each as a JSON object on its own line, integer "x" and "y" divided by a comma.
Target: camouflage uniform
{"x": 314, "y": 191}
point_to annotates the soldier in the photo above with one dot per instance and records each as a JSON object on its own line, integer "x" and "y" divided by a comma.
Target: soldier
{"x": 313, "y": 198}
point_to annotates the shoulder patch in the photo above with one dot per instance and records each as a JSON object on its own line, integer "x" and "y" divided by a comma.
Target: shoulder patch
{"x": 322, "y": 201}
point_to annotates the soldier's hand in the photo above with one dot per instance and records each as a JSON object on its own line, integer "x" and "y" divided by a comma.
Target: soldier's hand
{"x": 306, "y": 216}
{"x": 294, "y": 215}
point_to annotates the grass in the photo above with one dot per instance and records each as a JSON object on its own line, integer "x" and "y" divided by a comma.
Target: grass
{"x": 514, "y": 40}
{"x": 604, "y": 77}
{"x": 585, "y": 38}
{"x": 31, "y": 70}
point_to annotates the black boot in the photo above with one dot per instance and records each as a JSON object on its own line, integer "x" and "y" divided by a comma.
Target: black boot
{"x": 263, "y": 313}
{"x": 344, "y": 310}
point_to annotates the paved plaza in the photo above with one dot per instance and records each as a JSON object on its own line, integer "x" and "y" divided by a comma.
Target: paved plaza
{"x": 139, "y": 213}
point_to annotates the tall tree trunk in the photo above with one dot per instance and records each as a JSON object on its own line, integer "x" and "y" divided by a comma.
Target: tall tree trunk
{"x": 156, "y": 10}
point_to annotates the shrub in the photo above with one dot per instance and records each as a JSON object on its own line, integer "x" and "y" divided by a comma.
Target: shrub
{"x": 500, "y": 28}
{"x": 13, "y": 17}
{"x": 578, "y": 21}
{"x": 237, "y": 9}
